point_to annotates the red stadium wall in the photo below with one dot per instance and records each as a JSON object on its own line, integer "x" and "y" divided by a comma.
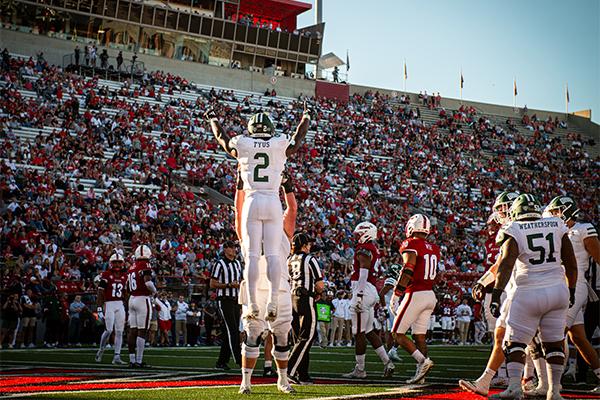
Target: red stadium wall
{"x": 331, "y": 90}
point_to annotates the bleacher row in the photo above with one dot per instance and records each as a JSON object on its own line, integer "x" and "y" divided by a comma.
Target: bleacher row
{"x": 257, "y": 101}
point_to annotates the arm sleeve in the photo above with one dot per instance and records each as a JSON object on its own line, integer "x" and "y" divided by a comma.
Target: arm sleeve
{"x": 362, "y": 280}
{"x": 588, "y": 230}
{"x": 216, "y": 273}
{"x": 315, "y": 269}
{"x": 151, "y": 287}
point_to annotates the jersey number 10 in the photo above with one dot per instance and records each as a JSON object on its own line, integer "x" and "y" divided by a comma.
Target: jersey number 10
{"x": 431, "y": 262}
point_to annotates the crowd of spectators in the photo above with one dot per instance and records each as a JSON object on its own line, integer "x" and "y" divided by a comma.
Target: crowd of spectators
{"x": 112, "y": 168}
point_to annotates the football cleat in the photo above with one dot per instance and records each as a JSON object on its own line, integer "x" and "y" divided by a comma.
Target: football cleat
{"x": 388, "y": 369}
{"x": 356, "y": 373}
{"x": 554, "y": 396}
{"x": 422, "y": 371}
{"x": 99, "y": 355}
{"x": 535, "y": 392}
{"x": 499, "y": 381}
{"x": 252, "y": 312}
{"x": 473, "y": 387}
{"x": 393, "y": 355}
{"x": 512, "y": 392}
{"x": 244, "y": 390}
{"x": 268, "y": 371}
{"x": 271, "y": 312}
{"x": 570, "y": 372}
{"x": 117, "y": 361}
{"x": 528, "y": 384}
{"x": 287, "y": 389}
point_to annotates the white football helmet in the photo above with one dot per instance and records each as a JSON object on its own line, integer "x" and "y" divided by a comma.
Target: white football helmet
{"x": 366, "y": 232}
{"x": 418, "y": 223}
{"x": 116, "y": 257}
{"x": 142, "y": 252}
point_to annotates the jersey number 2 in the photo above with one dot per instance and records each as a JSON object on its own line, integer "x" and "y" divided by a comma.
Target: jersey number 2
{"x": 431, "y": 262}
{"x": 541, "y": 249}
{"x": 265, "y": 163}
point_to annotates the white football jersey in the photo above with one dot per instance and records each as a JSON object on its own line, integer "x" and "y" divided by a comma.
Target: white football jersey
{"x": 261, "y": 162}
{"x": 538, "y": 264}
{"x": 577, "y": 234}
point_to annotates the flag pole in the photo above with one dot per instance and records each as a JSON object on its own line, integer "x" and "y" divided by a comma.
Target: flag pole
{"x": 461, "y": 86}
{"x": 567, "y": 97}
{"x": 514, "y": 92}
{"x": 404, "y": 76}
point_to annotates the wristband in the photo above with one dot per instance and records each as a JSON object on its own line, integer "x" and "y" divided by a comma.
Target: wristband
{"x": 100, "y": 309}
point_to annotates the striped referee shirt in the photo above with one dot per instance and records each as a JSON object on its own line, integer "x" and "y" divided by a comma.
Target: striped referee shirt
{"x": 227, "y": 271}
{"x": 304, "y": 271}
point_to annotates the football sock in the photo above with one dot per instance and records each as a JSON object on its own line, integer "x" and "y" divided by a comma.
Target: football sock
{"x": 140, "y": 343}
{"x": 360, "y": 362}
{"x": 486, "y": 378}
{"x": 542, "y": 372}
{"x": 502, "y": 372}
{"x": 529, "y": 368}
{"x": 268, "y": 363}
{"x": 246, "y": 376}
{"x": 555, "y": 372}
{"x": 274, "y": 277}
{"x": 104, "y": 340}
{"x": 515, "y": 372}
{"x": 383, "y": 355}
{"x": 282, "y": 379}
{"x": 131, "y": 357}
{"x": 253, "y": 275}
{"x": 418, "y": 356}
{"x": 118, "y": 342}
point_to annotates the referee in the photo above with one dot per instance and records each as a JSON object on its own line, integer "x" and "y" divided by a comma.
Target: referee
{"x": 226, "y": 277}
{"x": 307, "y": 283}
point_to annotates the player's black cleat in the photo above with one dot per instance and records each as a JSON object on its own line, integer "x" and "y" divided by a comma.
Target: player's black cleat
{"x": 268, "y": 372}
{"x": 224, "y": 367}
{"x": 142, "y": 365}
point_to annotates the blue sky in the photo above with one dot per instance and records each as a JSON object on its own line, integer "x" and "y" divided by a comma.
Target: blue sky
{"x": 544, "y": 44}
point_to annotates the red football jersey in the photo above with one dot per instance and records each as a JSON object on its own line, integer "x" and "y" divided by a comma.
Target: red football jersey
{"x": 135, "y": 278}
{"x": 114, "y": 285}
{"x": 375, "y": 260}
{"x": 491, "y": 252}
{"x": 428, "y": 256}
{"x": 447, "y": 309}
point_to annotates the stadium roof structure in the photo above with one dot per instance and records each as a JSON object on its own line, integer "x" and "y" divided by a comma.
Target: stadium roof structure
{"x": 330, "y": 60}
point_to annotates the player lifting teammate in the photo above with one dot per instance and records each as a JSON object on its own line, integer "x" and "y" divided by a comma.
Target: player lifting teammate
{"x": 111, "y": 292}
{"x": 415, "y": 286}
{"x": 261, "y": 156}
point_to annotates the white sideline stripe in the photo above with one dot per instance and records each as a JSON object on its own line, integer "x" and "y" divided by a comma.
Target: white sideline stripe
{"x": 14, "y": 396}
{"x": 388, "y": 392}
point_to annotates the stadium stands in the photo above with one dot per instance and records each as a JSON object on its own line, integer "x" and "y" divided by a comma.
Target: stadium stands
{"x": 90, "y": 164}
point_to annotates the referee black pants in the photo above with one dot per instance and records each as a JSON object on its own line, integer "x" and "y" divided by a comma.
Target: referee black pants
{"x": 304, "y": 328}
{"x": 230, "y": 345}
{"x": 591, "y": 319}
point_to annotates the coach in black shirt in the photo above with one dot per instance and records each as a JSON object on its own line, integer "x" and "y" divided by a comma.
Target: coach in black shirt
{"x": 225, "y": 278}
{"x": 307, "y": 283}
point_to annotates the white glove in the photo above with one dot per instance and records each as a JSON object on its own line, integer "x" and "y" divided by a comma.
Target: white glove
{"x": 358, "y": 306}
{"x": 100, "y": 312}
{"x": 394, "y": 304}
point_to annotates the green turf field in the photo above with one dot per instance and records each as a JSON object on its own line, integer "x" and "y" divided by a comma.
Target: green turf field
{"x": 452, "y": 362}
{"x": 183, "y": 365}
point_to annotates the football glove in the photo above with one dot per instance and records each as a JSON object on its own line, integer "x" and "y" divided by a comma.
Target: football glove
{"x": 287, "y": 184}
{"x": 478, "y": 291}
{"x": 358, "y": 306}
{"x": 571, "y": 297}
{"x": 307, "y": 111}
{"x": 496, "y": 302}
{"x": 210, "y": 114}
{"x": 100, "y": 312}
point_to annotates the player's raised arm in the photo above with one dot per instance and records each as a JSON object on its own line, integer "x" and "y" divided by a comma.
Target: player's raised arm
{"x": 221, "y": 135}
{"x": 300, "y": 134}
{"x": 291, "y": 210}
{"x": 238, "y": 204}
